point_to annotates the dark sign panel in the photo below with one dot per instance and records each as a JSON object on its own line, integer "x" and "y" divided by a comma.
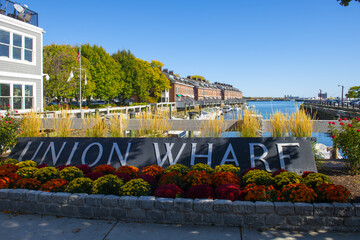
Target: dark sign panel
{"x": 271, "y": 154}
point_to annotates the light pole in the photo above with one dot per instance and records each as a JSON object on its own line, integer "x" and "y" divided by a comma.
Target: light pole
{"x": 342, "y": 95}
{"x": 71, "y": 76}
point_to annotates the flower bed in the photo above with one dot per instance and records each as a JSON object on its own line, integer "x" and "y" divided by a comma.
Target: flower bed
{"x": 177, "y": 181}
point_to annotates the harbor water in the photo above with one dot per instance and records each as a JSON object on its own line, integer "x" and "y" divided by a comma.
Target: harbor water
{"x": 267, "y": 108}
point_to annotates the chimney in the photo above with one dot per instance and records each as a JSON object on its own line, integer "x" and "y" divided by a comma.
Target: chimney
{"x": 166, "y": 70}
{"x": 171, "y": 72}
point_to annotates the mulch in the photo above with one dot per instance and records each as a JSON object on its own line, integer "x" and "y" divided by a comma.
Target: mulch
{"x": 340, "y": 176}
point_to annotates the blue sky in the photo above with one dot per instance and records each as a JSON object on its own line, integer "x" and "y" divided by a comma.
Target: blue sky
{"x": 263, "y": 47}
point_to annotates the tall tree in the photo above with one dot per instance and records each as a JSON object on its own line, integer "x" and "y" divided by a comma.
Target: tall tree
{"x": 127, "y": 62}
{"x": 354, "y": 92}
{"x": 346, "y": 2}
{"x": 58, "y": 63}
{"x": 104, "y": 70}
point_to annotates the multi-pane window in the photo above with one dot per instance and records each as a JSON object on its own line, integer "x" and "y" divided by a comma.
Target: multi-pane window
{"x": 16, "y": 46}
{"x": 4, "y": 96}
{"x": 28, "y": 49}
{"x": 4, "y": 44}
{"x": 16, "y": 96}
{"x": 29, "y": 96}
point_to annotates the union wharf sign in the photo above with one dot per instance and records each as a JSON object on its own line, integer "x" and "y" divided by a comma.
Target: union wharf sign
{"x": 271, "y": 154}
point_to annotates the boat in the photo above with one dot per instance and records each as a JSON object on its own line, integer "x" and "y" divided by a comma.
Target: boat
{"x": 227, "y": 108}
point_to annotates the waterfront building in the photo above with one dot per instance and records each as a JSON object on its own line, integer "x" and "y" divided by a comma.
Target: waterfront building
{"x": 228, "y": 91}
{"x": 21, "y": 58}
{"x": 181, "y": 89}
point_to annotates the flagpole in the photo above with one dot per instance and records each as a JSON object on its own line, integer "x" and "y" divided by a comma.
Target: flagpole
{"x": 80, "y": 81}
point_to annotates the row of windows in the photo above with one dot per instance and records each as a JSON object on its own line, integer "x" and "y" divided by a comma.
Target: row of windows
{"x": 16, "y": 96}
{"x": 16, "y": 46}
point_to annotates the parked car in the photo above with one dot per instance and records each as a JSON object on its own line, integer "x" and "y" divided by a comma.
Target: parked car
{"x": 98, "y": 102}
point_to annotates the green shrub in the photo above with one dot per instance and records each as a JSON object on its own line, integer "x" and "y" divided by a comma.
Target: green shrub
{"x": 47, "y": 173}
{"x": 70, "y": 173}
{"x": 227, "y": 168}
{"x": 315, "y": 179}
{"x": 9, "y": 161}
{"x": 27, "y": 172}
{"x": 108, "y": 184}
{"x": 27, "y": 163}
{"x": 259, "y": 177}
{"x": 286, "y": 178}
{"x": 182, "y": 169}
{"x": 80, "y": 185}
{"x": 202, "y": 167}
{"x": 136, "y": 187}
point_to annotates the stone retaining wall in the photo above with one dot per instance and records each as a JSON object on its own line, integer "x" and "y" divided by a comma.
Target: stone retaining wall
{"x": 280, "y": 215}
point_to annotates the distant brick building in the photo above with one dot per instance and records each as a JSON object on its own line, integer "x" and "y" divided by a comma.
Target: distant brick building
{"x": 196, "y": 90}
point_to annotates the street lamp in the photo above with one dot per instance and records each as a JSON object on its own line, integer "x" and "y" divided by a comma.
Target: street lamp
{"x": 47, "y": 77}
{"x": 342, "y": 95}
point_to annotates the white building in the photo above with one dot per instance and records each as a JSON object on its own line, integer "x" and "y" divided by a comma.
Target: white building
{"x": 21, "y": 58}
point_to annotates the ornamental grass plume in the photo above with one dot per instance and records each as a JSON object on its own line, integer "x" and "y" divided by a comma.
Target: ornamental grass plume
{"x": 117, "y": 126}
{"x": 95, "y": 126}
{"x": 279, "y": 125}
{"x": 300, "y": 124}
{"x": 251, "y": 123}
{"x": 154, "y": 124}
{"x": 30, "y": 124}
{"x": 212, "y": 127}
{"x": 62, "y": 124}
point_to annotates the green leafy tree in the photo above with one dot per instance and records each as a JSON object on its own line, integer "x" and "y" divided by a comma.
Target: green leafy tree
{"x": 346, "y": 2}
{"x": 58, "y": 62}
{"x": 104, "y": 71}
{"x": 127, "y": 62}
{"x": 354, "y": 92}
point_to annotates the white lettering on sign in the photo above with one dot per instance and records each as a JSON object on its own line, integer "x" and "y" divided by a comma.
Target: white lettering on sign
{"x": 98, "y": 157}
{"x": 72, "y": 153}
{"x": 53, "y": 153}
{"x": 281, "y": 152}
{"x": 226, "y": 155}
{"x": 115, "y": 147}
{"x": 260, "y": 158}
{"x": 193, "y": 155}
{"x": 168, "y": 154}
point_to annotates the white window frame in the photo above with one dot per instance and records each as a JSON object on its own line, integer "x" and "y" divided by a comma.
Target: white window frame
{"x": 23, "y": 49}
{"x": 22, "y": 83}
